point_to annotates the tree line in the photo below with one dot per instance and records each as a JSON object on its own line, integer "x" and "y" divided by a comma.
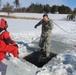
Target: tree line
{"x": 36, "y": 8}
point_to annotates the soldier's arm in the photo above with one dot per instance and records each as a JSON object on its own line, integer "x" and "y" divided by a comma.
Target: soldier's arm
{"x": 50, "y": 25}
{"x": 38, "y": 24}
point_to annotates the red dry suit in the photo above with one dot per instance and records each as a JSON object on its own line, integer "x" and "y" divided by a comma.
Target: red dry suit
{"x": 6, "y": 43}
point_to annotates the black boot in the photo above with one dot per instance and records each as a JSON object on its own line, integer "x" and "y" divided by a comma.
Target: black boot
{"x": 43, "y": 52}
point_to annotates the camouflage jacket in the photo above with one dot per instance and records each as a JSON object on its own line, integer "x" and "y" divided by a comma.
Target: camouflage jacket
{"x": 46, "y": 27}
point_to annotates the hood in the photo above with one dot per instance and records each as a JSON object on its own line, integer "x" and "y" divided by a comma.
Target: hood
{"x": 2, "y": 23}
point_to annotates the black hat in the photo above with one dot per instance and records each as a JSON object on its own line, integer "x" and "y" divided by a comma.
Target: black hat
{"x": 45, "y": 15}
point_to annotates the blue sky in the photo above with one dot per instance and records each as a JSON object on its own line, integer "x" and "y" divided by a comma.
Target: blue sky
{"x": 26, "y": 3}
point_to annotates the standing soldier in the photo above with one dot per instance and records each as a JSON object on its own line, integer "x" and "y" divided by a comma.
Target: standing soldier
{"x": 45, "y": 40}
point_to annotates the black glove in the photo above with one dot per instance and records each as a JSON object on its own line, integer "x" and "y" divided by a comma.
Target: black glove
{"x": 16, "y": 45}
{"x": 35, "y": 26}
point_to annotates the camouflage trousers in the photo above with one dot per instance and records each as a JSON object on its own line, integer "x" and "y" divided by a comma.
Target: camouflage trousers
{"x": 45, "y": 44}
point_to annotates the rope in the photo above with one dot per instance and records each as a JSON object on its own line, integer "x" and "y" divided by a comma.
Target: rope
{"x": 33, "y": 41}
{"x": 62, "y": 28}
{"x": 58, "y": 27}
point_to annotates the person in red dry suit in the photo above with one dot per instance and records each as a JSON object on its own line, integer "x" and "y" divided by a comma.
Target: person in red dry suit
{"x": 6, "y": 43}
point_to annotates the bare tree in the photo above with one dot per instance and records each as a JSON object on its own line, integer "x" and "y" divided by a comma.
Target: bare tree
{"x": 8, "y": 8}
{"x": 17, "y": 4}
{"x": 0, "y": 3}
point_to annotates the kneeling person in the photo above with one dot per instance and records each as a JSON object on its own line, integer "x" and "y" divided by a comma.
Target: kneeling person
{"x": 6, "y": 43}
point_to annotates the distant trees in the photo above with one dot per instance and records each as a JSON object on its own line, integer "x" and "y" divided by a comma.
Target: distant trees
{"x": 64, "y": 10}
{"x": 74, "y": 11}
{"x": 54, "y": 9}
{"x": 46, "y": 8}
{"x": 39, "y": 8}
{"x": 7, "y": 8}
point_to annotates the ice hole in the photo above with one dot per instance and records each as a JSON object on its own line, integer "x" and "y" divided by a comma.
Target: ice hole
{"x": 37, "y": 58}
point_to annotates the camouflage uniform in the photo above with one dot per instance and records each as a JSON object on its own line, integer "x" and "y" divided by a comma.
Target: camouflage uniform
{"x": 45, "y": 40}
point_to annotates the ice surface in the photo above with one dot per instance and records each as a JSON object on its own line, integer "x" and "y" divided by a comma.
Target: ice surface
{"x": 23, "y": 32}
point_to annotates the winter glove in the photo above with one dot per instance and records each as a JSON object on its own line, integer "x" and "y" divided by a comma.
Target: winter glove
{"x": 16, "y": 45}
{"x": 35, "y": 26}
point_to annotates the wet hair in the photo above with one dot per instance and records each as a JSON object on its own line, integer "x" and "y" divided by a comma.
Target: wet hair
{"x": 45, "y": 15}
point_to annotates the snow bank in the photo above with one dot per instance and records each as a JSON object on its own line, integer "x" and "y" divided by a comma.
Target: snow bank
{"x": 63, "y": 64}
{"x": 17, "y": 67}
{"x": 27, "y": 42}
{"x": 3, "y": 68}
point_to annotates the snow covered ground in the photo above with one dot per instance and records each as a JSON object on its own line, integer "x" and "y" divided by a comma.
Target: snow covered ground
{"x": 36, "y": 15}
{"x": 23, "y": 32}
